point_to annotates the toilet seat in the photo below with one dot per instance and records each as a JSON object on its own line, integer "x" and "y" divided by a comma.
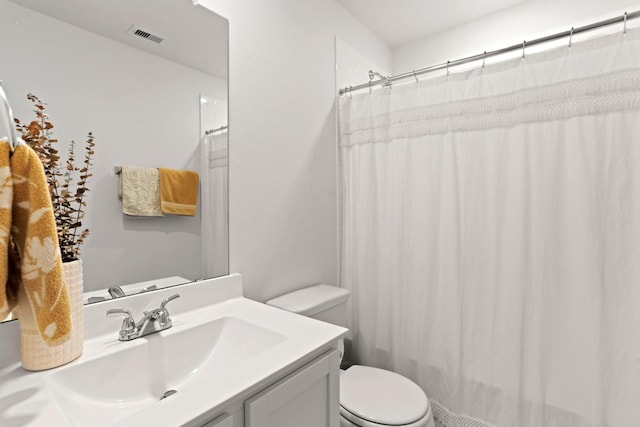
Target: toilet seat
{"x": 352, "y": 420}
{"x": 377, "y": 397}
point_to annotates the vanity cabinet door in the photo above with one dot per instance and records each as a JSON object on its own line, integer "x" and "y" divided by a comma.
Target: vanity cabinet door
{"x": 309, "y": 397}
{"x": 224, "y": 420}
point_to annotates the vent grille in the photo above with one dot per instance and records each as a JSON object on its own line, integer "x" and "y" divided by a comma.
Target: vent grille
{"x": 145, "y": 34}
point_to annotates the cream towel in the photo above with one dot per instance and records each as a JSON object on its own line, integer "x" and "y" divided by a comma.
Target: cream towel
{"x": 140, "y": 189}
{"x": 179, "y": 191}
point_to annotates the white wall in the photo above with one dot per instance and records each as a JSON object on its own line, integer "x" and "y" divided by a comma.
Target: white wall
{"x": 352, "y": 66}
{"x": 143, "y": 111}
{"x": 527, "y": 21}
{"x": 282, "y": 138}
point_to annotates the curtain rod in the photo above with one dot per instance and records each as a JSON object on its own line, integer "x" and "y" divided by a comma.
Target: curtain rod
{"x": 387, "y": 81}
{"x": 210, "y": 131}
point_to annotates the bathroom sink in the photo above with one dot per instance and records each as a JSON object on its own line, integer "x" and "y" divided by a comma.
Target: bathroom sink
{"x": 142, "y": 372}
{"x": 222, "y": 350}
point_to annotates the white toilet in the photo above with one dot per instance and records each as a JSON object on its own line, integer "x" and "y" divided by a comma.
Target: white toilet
{"x": 369, "y": 397}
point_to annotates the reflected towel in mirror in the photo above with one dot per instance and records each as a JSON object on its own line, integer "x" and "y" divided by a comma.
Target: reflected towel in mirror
{"x": 8, "y": 284}
{"x": 179, "y": 191}
{"x": 139, "y": 189}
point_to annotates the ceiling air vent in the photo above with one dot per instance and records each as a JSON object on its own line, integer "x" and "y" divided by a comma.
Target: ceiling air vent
{"x": 145, "y": 34}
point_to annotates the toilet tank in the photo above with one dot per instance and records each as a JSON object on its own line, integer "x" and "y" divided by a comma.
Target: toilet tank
{"x": 321, "y": 302}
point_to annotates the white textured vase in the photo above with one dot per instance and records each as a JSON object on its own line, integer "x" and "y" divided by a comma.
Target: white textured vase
{"x": 37, "y": 355}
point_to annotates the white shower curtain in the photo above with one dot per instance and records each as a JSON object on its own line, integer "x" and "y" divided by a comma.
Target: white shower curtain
{"x": 491, "y": 236}
{"x": 215, "y": 199}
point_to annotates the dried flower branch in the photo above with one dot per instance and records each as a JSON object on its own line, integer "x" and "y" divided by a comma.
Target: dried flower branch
{"x": 68, "y": 188}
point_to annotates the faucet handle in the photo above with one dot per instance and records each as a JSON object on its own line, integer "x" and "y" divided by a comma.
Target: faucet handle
{"x": 120, "y": 312}
{"x": 167, "y": 300}
{"x": 116, "y": 292}
{"x": 164, "y": 319}
{"x": 128, "y": 323}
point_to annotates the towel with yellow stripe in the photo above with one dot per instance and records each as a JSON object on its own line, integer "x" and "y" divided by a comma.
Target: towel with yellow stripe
{"x": 179, "y": 191}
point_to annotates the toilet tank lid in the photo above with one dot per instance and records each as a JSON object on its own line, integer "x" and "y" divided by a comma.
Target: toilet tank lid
{"x": 312, "y": 300}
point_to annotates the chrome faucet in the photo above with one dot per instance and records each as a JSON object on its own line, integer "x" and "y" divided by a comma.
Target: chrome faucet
{"x": 152, "y": 321}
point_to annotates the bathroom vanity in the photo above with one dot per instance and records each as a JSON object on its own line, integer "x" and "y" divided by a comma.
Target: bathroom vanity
{"x": 227, "y": 361}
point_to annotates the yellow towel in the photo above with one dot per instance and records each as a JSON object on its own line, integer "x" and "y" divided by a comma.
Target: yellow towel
{"x": 179, "y": 191}
{"x": 34, "y": 232}
{"x": 8, "y": 287}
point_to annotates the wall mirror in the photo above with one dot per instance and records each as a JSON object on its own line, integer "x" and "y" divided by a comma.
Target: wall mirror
{"x": 149, "y": 79}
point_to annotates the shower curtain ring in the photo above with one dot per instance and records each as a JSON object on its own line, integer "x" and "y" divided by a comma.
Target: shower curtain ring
{"x": 524, "y": 45}
{"x": 570, "y": 36}
{"x": 350, "y": 91}
{"x": 448, "y": 68}
{"x": 484, "y": 58}
{"x": 416, "y": 76}
{"x": 370, "y": 90}
{"x": 624, "y": 30}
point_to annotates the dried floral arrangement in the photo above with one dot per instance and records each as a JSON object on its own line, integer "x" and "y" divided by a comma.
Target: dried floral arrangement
{"x": 69, "y": 188}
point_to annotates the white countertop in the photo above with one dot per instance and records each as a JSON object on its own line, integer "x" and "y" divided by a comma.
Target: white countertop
{"x": 27, "y": 400}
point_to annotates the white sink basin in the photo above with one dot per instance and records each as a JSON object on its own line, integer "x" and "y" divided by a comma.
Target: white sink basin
{"x": 106, "y": 389}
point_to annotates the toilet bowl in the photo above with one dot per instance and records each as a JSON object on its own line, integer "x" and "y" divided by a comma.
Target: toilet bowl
{"x": 372, "y": 397}
{"x": 369, "y": 397}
